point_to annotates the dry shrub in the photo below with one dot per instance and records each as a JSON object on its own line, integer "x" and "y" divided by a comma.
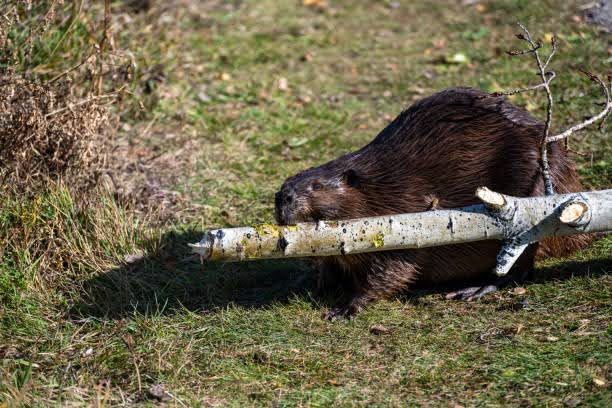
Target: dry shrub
{"x": 45, "y": 132}
{"x": 49, "y": 128}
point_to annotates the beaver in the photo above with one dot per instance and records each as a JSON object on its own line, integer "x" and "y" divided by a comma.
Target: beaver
{"x": 435, "y": 153}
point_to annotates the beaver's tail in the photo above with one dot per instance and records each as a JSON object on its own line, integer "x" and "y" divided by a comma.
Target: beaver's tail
{"x": 565, "y": 180}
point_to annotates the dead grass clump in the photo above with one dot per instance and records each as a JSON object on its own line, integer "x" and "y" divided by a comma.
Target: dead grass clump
{"x": 45, "y": 133}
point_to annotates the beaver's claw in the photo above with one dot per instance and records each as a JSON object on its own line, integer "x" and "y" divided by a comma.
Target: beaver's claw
{"x": 472, "y": 293}
{"x": 347, "y": 312}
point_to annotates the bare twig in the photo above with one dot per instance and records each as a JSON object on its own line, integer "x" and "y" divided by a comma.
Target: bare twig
{"x": 102, "y": 46}
{"x": 527, "y": 89}
{"x": 69, "y": 70}
{"x": 83, "y": 102}
{"x": 607, "y": 90}
{"x": 545, "y": 77}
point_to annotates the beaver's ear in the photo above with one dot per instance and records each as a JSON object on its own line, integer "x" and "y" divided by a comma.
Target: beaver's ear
{"x": 351, "y": 177}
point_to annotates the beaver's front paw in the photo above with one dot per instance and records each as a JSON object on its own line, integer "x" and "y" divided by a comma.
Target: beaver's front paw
{"x": 472, "y": 293}
{"x": 347, "y": 312}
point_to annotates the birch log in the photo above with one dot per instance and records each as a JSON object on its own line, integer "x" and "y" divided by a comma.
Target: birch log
{"x": 517, "y": 222}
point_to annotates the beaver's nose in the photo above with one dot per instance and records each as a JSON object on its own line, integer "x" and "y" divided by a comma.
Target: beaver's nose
{"x": 283, "y": 197}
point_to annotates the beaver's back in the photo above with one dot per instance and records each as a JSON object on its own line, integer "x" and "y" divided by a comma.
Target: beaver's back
{"x": 449, "y": 144}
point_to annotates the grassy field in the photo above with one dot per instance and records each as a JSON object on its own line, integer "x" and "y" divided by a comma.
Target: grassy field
{"x": 103, "y": 305}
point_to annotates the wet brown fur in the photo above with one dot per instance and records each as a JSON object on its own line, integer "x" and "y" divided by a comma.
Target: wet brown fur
{"x": 433, "y": 155}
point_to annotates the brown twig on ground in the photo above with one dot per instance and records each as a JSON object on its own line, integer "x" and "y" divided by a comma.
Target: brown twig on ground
{"x": 546, "y": 76}
{"x": 81, "y": 102}
{"x": 71, "y": 69}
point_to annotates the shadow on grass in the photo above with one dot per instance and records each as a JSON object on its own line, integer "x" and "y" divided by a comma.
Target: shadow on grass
{"x": 559, "y": 271}
{"x": 172, "y": 278}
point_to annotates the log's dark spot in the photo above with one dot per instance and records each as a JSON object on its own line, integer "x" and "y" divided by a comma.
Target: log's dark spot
{"x": 248, "y": 235}
{"x": 390, "y": 221}
{"x": 502, "y": 262}
{"x": 450, "y": 225}
{"x": 220, "y": 234}
{"x": 239, "y": 248}
{"x": 342, "y": 251}
{"x": 344, "y": 230}
{"x": 282, "y": 244}
{"x": 314, "y": 250}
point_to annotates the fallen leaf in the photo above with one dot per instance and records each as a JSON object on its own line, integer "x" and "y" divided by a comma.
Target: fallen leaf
{"x": 203, "y": 97}
{"x": 599, "y": 382}
{"x": 571, "y": 402}
{"x": 439, "y": 43}
{"x": 225, "y": 76}
{"x": 157, "y": 392}
{"x": 458, "y": 58}
{"x": 518, "y": 291}
{"x": 131, "y": 258}
{"x": 320, "y": 4}
{"x": 306, "y": 57}
{"x": 552, "y": 338}
{"x": 283, "y": 84}
{"x": 548, "y": 37}
{"x": 296, "y": 142}
{"x": 379, "y": 329}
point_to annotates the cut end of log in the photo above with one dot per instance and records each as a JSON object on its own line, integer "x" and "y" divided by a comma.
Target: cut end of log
{"x": 573, "y": 213}
{"x": 204, "y": 247}
{"x": 492, "y": 199}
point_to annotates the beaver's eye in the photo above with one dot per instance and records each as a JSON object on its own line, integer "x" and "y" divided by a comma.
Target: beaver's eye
{"x": 316, "y": 186}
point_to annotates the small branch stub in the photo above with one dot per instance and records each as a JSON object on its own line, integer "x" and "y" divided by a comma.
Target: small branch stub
{"x": 493, "y": 200}
{"x": 575, "y": 213}
{"x": 508, "y": 255}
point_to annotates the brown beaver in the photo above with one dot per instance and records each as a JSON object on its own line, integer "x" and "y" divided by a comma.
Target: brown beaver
{"x": 439, "y": 150}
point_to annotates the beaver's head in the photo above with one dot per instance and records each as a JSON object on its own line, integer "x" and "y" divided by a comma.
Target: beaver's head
{"x": 329, "y": 192}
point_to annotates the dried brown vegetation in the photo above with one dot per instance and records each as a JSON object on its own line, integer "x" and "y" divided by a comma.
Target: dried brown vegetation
{"x": 48, "y": 130}
{"x": 45, "y": 132}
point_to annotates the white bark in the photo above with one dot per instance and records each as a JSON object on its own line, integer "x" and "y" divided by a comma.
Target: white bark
{"x": 516, "y": 221}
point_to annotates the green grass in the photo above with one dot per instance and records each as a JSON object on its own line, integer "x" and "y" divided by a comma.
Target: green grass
{"x": 98, "y": 303}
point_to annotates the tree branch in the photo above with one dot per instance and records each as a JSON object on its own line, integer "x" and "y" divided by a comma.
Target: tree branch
{"x": 517, "y": 222}
{"x": 607, "y": 90}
